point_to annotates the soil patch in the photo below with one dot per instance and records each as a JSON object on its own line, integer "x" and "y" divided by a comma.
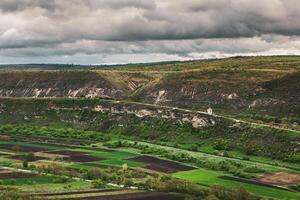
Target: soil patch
{"x": 280, "y": 178}
{"x": 252, "y": 182}
{"x": 159, "y": 168}
{"x": 65, "y": 153}
{"x": 16, "y": 175}
{"x": 22, "y": 157}
{"x": 160, "y": 165}
{"x": 74, "y": 156}
{"x": 21, "y": 148}
{"x": 76, "y": 192}
{"x": 100, "y": 166}
{"x": 135, "y": 196}
{"x": 82, "y": 158}
{"x": 99, "y": 149}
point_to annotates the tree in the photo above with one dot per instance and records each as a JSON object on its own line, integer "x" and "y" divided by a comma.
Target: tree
{"x": 93, "y": 173}
{"x": 30, "y": 157}
{"x": 242, "y": 194}
{"x": 128, "y": 182}
{"x": 25, "y": 164}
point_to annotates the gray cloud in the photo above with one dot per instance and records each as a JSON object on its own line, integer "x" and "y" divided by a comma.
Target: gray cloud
{"x": 16, "y": 5}
{"x": 40, "y": 28}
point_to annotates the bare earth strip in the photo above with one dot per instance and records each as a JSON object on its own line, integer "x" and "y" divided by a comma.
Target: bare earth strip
{"x": 281, "y": 178}
{"x": 252, "y": 182}
{"x": 161, "y": 165}
{"x": 132, "y": 196}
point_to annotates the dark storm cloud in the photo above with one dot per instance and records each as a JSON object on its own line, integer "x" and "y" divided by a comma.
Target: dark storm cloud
{"x": 51, "y": 5}
{"x": 119, "y": 4}
{"x": 17, "y": 5}
{"x": 33, "y": 28}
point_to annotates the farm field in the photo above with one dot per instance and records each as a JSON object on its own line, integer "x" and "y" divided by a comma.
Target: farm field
{"x": 209, "y": 178}
{"x": 88, "y": 158}
{"x": 31, "y": 179}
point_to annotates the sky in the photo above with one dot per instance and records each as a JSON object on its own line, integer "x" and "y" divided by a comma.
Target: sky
{"x": 130, "y": 31}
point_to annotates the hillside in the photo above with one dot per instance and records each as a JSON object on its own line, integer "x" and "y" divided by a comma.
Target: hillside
{"x": 261, "y": 89}
{"x": 183, "y": 128}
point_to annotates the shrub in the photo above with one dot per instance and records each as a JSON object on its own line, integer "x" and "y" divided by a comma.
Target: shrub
{"x": 25, "y": 164}
{"x": 221, "y": 144}
{"x": 98, "y": 183}
{"x": 295, "y": 187}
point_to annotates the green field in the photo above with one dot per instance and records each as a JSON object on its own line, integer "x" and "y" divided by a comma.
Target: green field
{"x": 209, "y": 178}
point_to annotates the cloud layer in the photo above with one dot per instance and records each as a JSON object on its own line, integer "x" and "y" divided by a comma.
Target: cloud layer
{"x": 112, "y": 31}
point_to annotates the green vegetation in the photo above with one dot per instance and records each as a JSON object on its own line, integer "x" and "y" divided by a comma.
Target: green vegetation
{"x": 34, "y": 180}
{"x": 142, "y": 109}
{"x": 115, "y": 162}
{"x": 113, "y": 158}
{"x": 248, "y": 139}
{"x": 209, "y": 178}
{"x": 7, "y": 193}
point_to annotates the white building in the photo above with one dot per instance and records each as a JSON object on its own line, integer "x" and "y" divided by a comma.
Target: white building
{"x": 210, "y": 111}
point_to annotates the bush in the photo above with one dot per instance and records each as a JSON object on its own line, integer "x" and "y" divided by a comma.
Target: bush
{"x": 93, "y": 174}
{"x": 98, "y": 183}
{"x": 295, "y": 187}
{"x": 247, "y": 158}
{"x": 7, "y": 193}
{"x": 254, "y": 170}
{"x": 25, "y": 164}
{"x": 62, "y": 179}
{"x": 221, "y": 144}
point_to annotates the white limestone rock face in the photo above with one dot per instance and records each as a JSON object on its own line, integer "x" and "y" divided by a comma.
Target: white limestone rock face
{"x": 160, "y": 97}
{"x": 232, "y": 96}
{"x": 143, "y": 113}
{"x": 265, "y": 102}
{"x": 199, "y": 122}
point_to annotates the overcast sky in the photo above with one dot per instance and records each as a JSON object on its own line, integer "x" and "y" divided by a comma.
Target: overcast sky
{"x": 124, "y": 31}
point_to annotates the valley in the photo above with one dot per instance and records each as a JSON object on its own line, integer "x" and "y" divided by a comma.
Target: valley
{"x": 224, "y": 128}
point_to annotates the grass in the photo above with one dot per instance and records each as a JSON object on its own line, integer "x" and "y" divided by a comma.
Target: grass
{"x": 209, "y": 178}
{"x": 208, "y": 148}
{"x": 55, "y": 187}
{"x": 113, "y": 154}
{"x": 113, "y": 158}
{"x": 119, "y": 163}
{"x": 270, "y": 166}
{"x": 32, "y": 181}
